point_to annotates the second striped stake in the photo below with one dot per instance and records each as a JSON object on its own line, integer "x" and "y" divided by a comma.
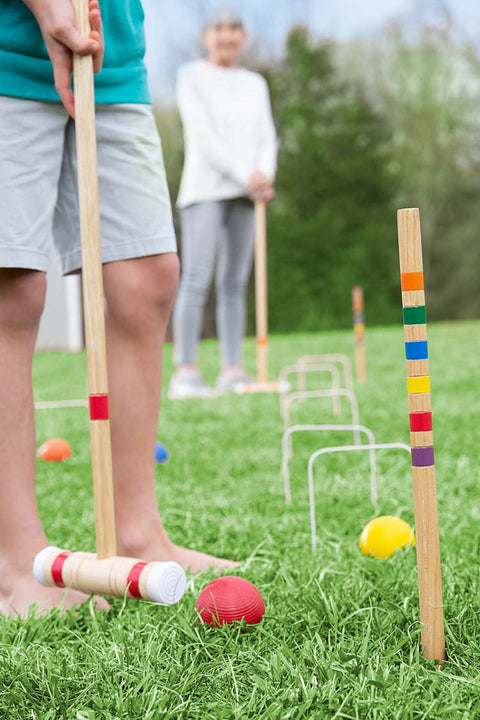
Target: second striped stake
{"x": 358, "y": 313}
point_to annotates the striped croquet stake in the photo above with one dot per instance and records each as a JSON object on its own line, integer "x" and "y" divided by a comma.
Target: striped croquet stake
{"x": 358, "y": 312}
{"x": 420, "y": 412}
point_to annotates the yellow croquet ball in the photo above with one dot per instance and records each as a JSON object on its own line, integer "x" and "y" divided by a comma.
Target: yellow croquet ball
{"x": 384, "y": 535}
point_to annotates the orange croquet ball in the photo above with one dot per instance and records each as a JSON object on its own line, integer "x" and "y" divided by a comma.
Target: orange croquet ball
{"x": 55, "y": 450}
{"x": 230, "y": 599}
{"x": 384, "y": 535}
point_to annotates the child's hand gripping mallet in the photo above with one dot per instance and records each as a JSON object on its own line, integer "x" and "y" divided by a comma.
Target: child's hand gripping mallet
{"x": 105, "y": 572}
{"x": 262, "y": 384}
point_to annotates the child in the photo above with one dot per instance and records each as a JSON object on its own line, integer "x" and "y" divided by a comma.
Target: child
{"x": 37, "y": 201}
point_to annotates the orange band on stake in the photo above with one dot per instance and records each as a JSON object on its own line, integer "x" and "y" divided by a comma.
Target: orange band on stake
{"x": 262, "y": 341}
{"x": 412, "y": 281}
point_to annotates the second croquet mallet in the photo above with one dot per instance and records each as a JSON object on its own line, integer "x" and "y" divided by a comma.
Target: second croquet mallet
{"x": 262, "y": 384}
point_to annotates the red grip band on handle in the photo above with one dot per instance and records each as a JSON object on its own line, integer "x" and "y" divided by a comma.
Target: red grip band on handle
{"x": 57, "y": 568}
{"x": 133, "y": 580}
{"x": 98, "y": 407}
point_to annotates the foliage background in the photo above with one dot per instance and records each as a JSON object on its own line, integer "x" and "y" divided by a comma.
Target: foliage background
{"x": 366, "y": 127}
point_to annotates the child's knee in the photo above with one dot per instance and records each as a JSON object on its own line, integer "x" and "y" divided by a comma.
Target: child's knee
{"x": 159, "y": 282}
{"x": 142, "y": 297}
{"x": 22, "y": 298}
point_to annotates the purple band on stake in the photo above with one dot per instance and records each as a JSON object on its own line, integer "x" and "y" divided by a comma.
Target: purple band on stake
{"x": 423, "y": 457}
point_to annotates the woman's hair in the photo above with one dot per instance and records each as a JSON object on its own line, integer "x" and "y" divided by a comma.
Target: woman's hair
{"x": 224, "y": 17}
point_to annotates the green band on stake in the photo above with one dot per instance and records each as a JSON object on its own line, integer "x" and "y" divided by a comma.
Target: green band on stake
{"x": 414, "y": 315}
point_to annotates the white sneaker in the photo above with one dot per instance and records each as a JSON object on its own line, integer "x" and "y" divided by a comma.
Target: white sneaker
{"x": 189, "y": 385}
{"x": 227, "y": 382}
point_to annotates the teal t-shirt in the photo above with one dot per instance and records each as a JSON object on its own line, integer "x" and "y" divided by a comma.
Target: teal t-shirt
{"x": 26, "y": 71}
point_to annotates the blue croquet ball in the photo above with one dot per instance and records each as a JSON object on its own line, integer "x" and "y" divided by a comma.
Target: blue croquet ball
{"x": 161, "y": 453}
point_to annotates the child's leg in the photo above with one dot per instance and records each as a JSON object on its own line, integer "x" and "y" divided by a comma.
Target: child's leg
{"x": 140, "y": 295}
{"x": 22, "y": 295}
{"x": 201, "y": 229}
{"x": 233, "y": 271}
{"x": 31, "y": 149}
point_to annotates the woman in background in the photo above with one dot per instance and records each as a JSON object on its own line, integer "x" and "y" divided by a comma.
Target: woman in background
{"x": 230, "y": 163}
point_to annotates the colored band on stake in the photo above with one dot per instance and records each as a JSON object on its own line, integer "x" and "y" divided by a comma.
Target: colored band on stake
{"x": 98, "y": 407}
{"x": 416, "y": 385}
{"x": 420, "y": 422}
{"x": 412, "y": 281}
{"x": 416, "y": 315}
{"x": 423, "y": 457}
{"x": 416, "y": 350}
{"x": 262, "y": 341}
{"x": 133, "y": 580}
{"x": 57, "y": 568}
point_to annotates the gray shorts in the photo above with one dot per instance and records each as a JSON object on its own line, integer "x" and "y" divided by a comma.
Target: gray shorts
{"x": 38, "y": 189}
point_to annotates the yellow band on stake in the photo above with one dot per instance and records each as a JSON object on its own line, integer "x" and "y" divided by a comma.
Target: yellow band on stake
{"x": 417, "y": 385}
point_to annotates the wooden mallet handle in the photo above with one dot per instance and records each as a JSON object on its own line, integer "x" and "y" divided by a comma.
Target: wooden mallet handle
{"x": 421, "y": 434}
{"x": 261, "y": 291}
{"x": 93, "y": 293}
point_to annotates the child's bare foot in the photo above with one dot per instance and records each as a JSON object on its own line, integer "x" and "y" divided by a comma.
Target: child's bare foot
{"x": 24, "y": 592}
{"x": 159, "y": 547}
{"x": 195, "y": 561}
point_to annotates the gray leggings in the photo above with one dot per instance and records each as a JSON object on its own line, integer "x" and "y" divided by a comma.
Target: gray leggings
{"x": 224, "y": 228}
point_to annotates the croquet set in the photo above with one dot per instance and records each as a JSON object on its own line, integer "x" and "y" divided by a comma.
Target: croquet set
{"x": 104, "y": 572}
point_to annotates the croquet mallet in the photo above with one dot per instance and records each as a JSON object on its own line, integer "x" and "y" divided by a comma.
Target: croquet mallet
{"x": 103, "y": 573}
{"x": 262, "y": 384}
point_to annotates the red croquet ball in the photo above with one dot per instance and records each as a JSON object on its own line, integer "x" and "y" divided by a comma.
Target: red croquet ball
{"x": 55, "y": 450}
{"x": 228, "y": 599}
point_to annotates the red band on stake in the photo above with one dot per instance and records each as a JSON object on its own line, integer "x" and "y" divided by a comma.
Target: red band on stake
{"x": 134, "y": 579}
{"x": 420, "y": 421}
{"x": 98, "y": 407}
{"x": 57, "y": 568}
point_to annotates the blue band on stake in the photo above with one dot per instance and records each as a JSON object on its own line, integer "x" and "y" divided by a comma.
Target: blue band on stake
{"x": 417, "y": 350}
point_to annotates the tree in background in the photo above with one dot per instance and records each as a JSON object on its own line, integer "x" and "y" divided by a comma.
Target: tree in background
{"x": 428, "y": 88}
{"x": 333, "y": 224}
{"x": 364, "y": 128}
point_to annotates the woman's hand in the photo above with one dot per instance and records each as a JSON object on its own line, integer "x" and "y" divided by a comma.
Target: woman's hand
{"x": 261, "y": 188}
{"x": 57, "y": 24}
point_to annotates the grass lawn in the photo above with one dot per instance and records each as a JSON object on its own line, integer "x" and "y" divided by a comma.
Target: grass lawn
{"x": 341, "y": 635}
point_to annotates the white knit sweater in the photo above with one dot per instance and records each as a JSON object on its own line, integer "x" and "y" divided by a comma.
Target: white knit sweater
{"x": 228, "y": 128}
